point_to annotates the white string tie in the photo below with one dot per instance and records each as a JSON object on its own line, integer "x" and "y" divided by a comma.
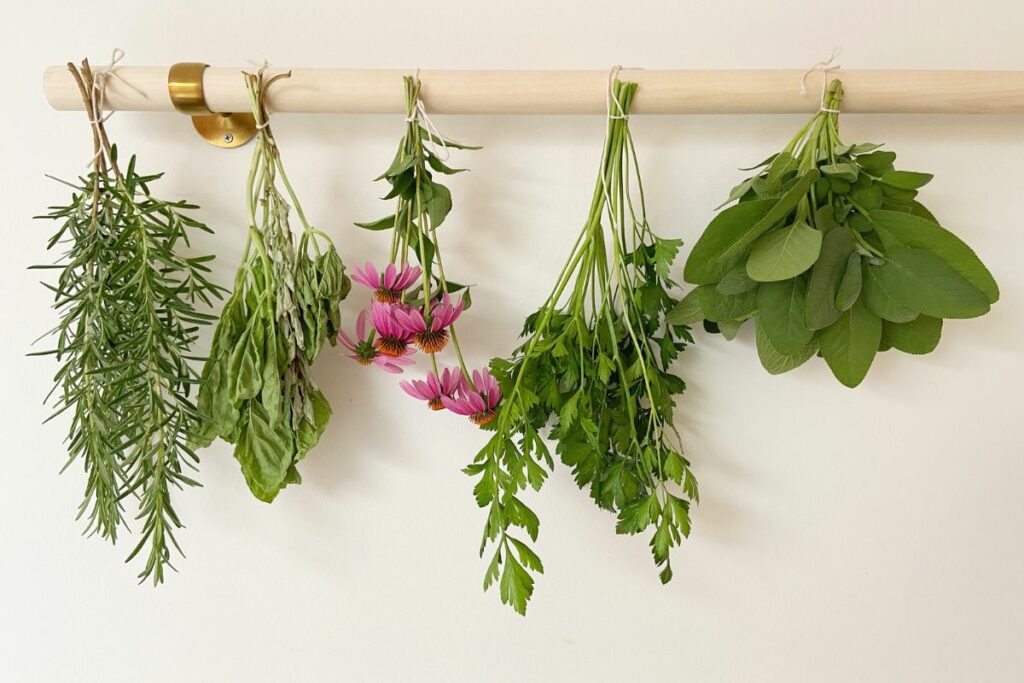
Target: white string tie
{"x": 419, "y": 112}
{"x": 824, "y": 67}
{"x": 612, "y": 73}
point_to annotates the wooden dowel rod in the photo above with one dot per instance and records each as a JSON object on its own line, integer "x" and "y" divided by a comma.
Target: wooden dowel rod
{"x": 568, "y": 92}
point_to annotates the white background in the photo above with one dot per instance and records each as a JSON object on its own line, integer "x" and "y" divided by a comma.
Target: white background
{"x": 874, "y": 534}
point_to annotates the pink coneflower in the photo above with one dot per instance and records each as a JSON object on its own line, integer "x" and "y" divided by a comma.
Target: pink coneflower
{"x": 389, "y": 286}
{"x": 478, "y": 404}
{"x": 363, "y": 351}
{"x": 393, "y": 338}
{"x": 435, "y": 388}
{"x": 431, "y": 336}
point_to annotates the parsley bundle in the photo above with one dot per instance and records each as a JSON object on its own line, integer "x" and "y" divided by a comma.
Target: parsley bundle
{"x": 595, "y": 359}
{"x": 128, "y": 320}
{"x": 257, "y": 391}
{"x": 830, "y": 251}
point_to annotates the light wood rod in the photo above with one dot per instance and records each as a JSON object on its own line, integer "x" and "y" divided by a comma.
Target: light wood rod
{"x": 371, "y": 91}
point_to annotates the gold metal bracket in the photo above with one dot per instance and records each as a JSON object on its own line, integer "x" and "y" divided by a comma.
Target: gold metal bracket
{"x": 185, "y": 85}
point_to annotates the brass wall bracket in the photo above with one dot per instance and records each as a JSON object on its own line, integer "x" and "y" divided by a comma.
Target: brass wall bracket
{"x": 185, "y": 85}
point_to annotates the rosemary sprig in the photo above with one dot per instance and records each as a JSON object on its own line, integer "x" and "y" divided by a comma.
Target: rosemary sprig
{"x": 128, "y": 320}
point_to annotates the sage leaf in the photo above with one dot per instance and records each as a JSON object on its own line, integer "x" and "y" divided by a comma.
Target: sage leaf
{"x": 784, "y": 254}
{"x": 906, "y": 180}
{"x": 725, "y": 241}
{"x": 850, "y": 285}
{"x": 880, "y": 301}
{"x": 921, "y": 280}
{"x": 920, "y": 233}
{"x": 705, "y": 264}
{"x": 736, "y": 282}
{"x": 720, "y": 307}
{"x": 731, "y": 328}
{"x": 919, "y": 336}
{"x": 780, "y": 312}
{"x": 687, "y": 311}
{"x": 836, "y": 248}
{"x": 775, "y": 361}
{"x": 849, "y": 345}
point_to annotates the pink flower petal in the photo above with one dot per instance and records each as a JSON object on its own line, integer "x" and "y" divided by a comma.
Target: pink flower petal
{"x": 389, "y": 276}
{"x": 453, "y": 405}
{"x": 361, "y": 324}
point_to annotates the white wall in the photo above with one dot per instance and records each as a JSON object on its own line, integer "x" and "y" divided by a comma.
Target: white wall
{"x": 874, "y": 534}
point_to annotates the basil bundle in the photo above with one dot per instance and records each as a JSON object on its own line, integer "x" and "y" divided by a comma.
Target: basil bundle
{"x": 831, "y": 253}
{"x": 128, "y": 320}
{"x": 257, "y": 391}
{"x": 595, "y": 358}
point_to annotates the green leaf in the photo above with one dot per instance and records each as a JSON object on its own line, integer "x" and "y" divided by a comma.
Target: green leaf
{"x": 529, "y": 558}
{"x": 836, "y": 248}
{"x": 718, "y": 307}
{"x": 918, "y": 336}
{"x": 880, "y": 301}
{"x": 730, "y": 328}
{"x": 725, "y": 240}
{"x": 703, "y": 266}
{"x": 736, "y": 282}
{"x": 780, "y": 312}
{"x": 385, "y": 223}
{"x": 920, "y": 280}
{"x": 906, "y": 180}
{"x": 401, "y": 163}
{"x": 843, "y": 170}
{"x": 784, "y": 254}
{"x": 920, "y": 233}
{"x": 265, "y": 453}
{"x": 493, "y": 569}
{"x": 516, "y": 585}
{"x": 876, "y": 163}
{"x": 440, "y": 204}
{"x": 665, "y": 251}
{"x": 440, "y": 166}
{"x": 308, "y": 433}
{"x": 849, "y": 345}
{"x": 687, "y": 311}
{"x": 850, "y": 285}
{"x": 246, "y": 368}
{"x": 775, "y": 361}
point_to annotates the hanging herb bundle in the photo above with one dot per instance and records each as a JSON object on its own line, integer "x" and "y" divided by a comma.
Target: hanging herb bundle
{"x": 128, "y": 320}
{"x": 830, "y": 251}
{"x": 595, "y": 358}
{"x": 412, "y": 306}
{"x": 257, "y": 390}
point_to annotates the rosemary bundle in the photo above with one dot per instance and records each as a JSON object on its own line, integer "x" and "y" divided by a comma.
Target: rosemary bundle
{"x": 128, "y": 320}
{"x": 829, "y": 249}
{"x": 257, "y": 391}
{"x": 595, "y": 359}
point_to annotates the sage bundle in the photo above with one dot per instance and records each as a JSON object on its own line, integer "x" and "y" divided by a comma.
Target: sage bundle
{"x": 257, "y": 391}
{"x": 595, "y": 361}
{"x": 830, "y": 251}
{"x": 128, "y": 320}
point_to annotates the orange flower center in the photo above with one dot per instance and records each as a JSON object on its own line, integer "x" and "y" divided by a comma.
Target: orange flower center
{"x": 432, "y": 342}
{"x": 483, "y": 418}
{"x": 390, "y": 346}
{"x": 388, "y": 296}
